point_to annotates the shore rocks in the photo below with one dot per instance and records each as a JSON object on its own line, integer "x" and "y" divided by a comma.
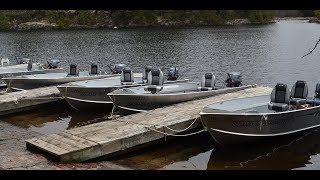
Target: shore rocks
{"x": 238, "y": 22}
{"x": 36, "y": 25}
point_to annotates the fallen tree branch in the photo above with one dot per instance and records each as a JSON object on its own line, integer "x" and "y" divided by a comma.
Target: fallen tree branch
{"x": 312, "y": 49}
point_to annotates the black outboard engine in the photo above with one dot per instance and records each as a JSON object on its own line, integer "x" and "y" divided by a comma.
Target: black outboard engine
{"x": 73, "y": 70}
{"x": 117, "y": 68}
{"x": 94, "y": 69}
{"x": 53, "y": 64}
{"x": 145, "y": 73}
{"x": 24, "y": 61}
{"x": 234, "y": 79}
{"x": 173, "y": 74}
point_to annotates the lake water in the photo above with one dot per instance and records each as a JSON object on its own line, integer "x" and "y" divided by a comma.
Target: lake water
{"x": 264, "y": 54}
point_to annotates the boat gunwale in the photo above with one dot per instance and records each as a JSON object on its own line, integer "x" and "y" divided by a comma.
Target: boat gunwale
{"x": 178, "y": 94}
{"x": 264, "y": 135}
{"x": 62, "y": 77}
{"x": 113, "y": 86}
{"x": 249, "y": 114}
{"x": 90, "y": 101}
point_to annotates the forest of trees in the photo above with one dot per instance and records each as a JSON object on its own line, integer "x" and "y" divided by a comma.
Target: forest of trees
{"x": 10, "y": 19}
{"x": 65, "y": 19}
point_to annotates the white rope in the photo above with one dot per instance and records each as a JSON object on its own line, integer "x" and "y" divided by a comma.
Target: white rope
{"x": 182, "y": 129}
{"x": 176, "y": 135}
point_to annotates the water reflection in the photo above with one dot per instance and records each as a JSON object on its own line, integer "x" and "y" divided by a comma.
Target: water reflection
{"x": 55, "y": 118}
{"x": 299, "y": 151}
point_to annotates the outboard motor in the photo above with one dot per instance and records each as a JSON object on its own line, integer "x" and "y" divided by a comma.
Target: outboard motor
{"x": 29, "y": 68}
{"x": 117, "y": 68}
{"x": 53, "y": 64}
{"x": 24, "y": 61}
{"x": 73, "y": 70}
{"x": 94, "y": 69}
{"x": 173, "y": 74}
{"x": 5, "y": 62}
{"x": 234, "y": 79}
{"x": 145, "y": 73}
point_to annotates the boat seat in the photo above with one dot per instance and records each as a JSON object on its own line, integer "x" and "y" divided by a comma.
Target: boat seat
{"x": 208, "y": 82}
{"x": 316, "y": 100}
{"x": 74, "y": 71}
{"x": 145, "y": 73}
{"x": 299, "y": 93}
{"x": 94, "y": 69}
{"x": 279, "y": 100}
{"x": 127, "y": 77}
{"x": 155, "y": 81}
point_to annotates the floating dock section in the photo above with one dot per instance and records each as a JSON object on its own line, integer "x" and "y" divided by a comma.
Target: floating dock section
{"x": 118, "y": 135}
{"x": 27, "y": 99}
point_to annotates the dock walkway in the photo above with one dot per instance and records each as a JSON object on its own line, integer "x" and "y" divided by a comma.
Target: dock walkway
{"x": 27, "y": 99}
{"x": 99, "y": 139}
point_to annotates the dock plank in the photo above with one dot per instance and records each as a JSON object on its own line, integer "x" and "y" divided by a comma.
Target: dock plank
{"x": 28, "y": 99}
{"x": 95, "y": 140}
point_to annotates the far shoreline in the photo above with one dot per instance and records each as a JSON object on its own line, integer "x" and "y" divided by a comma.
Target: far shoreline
{"x": 44, "y": 26}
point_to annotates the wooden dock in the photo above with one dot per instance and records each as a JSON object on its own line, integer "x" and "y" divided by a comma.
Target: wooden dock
{"x": 27, "y": 99}
{"x": 104, "y": 138}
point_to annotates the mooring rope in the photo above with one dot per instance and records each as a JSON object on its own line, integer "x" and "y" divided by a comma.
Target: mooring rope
{"x": 176, "y": 135}
{"x": 174, "y": 130}
{"x": 148, "y": 126}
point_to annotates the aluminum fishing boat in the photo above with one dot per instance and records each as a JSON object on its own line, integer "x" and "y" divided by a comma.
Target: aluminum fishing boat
{"x": 156, "y": 94}
{"x": 252, "y": 118}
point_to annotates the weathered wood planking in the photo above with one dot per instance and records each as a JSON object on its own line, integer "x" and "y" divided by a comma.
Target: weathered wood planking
{"x": 27, "y": 99}
{"x": 95, "y": 140}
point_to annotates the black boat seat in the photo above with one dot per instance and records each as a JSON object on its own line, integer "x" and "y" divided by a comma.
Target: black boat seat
{"x": 94, "y": 69}
{"x": 299, "y": 93}
{"x": 316, "y": 100}
{"x": 279, "y": 100}
{"x": 155, "y": 81}
{"x": 208, "y": 82}
{"x": 74, "y": 71}
{"x": 127, "y": 77}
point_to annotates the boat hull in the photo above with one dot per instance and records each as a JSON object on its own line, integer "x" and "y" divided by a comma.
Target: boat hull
{"x": 24, "y": 72}
{"x": 230, "y": 129}
{"x": 94, "y": 96}
{"x": 25, "y": 83}
{"x": 86, "y": 97}
{"x": 144, "y": 102}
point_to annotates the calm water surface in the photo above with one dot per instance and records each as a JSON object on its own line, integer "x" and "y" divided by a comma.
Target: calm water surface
{"x": 264, "y": 54}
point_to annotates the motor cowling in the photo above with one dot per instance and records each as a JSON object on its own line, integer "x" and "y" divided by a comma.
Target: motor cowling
{"x": 234, "y": 79}
{"x": 117, "y": 68}
{"x": 53, "y": 64}
{"x": 173, "y": 73}
{"x": 24, "y": 61}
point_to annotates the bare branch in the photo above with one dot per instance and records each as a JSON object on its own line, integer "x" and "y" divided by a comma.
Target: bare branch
{"x": 312, "y": 49}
